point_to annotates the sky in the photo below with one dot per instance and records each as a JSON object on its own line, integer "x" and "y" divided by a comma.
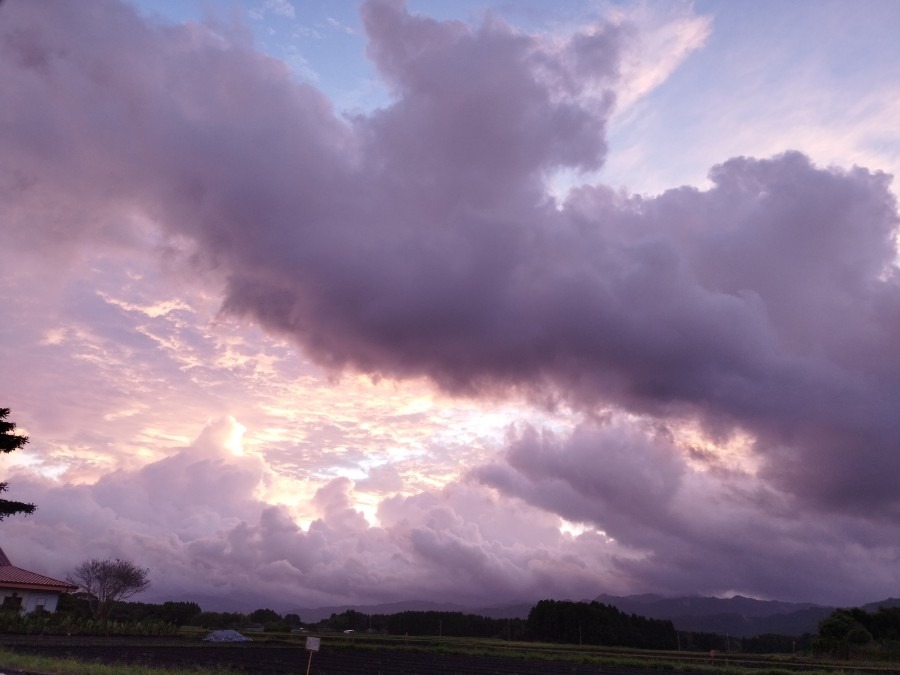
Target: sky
{"x": 317, "y": 303}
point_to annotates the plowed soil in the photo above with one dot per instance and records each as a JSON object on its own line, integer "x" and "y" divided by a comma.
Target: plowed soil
{"x": 275, "y": 658}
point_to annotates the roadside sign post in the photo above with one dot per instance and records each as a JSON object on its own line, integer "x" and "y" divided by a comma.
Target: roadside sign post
{"x": 312, "y": 645}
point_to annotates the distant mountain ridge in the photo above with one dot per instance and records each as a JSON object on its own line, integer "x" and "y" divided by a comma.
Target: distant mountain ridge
{"x": 737, "y": 616}
{"x": 889, "y": 602}
{"x": 702, "y": 605}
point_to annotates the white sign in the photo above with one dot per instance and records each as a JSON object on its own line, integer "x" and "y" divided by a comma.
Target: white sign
{"x": 312, "y": 643}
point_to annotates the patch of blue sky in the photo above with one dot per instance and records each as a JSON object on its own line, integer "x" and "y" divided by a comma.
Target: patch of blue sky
{"x": 772, "y": 76}
{"x": 820, "y": 77}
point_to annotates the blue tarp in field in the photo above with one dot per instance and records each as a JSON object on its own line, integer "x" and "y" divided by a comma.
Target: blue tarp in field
{"x": 226, "y": 636}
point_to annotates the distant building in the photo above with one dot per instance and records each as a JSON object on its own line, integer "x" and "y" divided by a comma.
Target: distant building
{"x": 26, "y": 591}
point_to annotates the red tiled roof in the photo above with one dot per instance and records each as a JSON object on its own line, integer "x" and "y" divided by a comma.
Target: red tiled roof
{"x": 16, "y": 576}
{"x": 10, "y": 575}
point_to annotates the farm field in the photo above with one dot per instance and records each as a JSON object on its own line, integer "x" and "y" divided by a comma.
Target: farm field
{"x": 341, "y": 655}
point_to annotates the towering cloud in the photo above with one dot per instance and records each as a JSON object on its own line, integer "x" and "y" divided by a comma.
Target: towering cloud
{"x": 419, "y": 240}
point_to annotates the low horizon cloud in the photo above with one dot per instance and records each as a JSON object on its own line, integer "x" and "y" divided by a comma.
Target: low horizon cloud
{"x": 719, "y": 366}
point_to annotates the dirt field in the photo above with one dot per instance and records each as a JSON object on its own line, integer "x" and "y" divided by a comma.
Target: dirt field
{"x": 274, "y": 658}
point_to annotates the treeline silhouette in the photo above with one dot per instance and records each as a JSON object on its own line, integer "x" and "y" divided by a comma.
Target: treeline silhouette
{"x": 849, "y": 632}
{"x": 593, "y": 623}
{"x": 453, "y": 624}
{"x": 843, "y": 633}
{"x": 175, "y": 613}
{"x": 423, "y": 623}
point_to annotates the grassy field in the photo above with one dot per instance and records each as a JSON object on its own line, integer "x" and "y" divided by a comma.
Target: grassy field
{"x": 46, "y": 665}
{"x": 366, "y": 653}
{"x": 590, "y": 654}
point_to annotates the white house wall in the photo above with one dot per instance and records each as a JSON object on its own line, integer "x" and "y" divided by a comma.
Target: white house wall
{"x": 37, "y": 598}
{"x": 32, "y": 599}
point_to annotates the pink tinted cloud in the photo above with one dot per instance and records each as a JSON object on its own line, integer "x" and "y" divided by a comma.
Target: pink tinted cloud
{"x": 418, "y": 240}
{"x": 194, "y": 520}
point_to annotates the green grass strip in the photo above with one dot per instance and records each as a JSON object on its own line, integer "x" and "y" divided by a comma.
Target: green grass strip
{"x": 45, "y": 665}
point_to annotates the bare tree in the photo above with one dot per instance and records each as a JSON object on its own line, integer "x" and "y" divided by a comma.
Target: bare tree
{"x": 107, "y": 582}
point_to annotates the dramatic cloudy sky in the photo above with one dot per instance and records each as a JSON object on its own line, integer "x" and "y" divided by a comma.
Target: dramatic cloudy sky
{"x": 481, "y": 301}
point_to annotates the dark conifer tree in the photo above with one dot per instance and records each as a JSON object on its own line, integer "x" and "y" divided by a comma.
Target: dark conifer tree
{"x": 9, "y": 441}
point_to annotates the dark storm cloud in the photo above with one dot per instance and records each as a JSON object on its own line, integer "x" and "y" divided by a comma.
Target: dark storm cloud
{"x": 418, "y": 240}
{"x": 709, "y": 531}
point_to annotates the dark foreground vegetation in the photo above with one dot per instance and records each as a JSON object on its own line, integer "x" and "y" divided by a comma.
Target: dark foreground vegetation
{"x": 557, "y": 636}
{"x": 387, "y": 655}
{"x": 339, "y": 655}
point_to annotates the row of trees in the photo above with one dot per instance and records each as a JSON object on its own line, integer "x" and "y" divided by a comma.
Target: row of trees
{"x": 593, "y": 623}
{"x": 269, "y": 619}
{"x": 454, "y": 624}
{"x": 418, "y": 623}
{"x": 175, "y": 613}
{"x": 845, "y": 632}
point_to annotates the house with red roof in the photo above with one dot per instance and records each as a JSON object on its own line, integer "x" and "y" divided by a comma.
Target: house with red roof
{"x": 28, "y": 591}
